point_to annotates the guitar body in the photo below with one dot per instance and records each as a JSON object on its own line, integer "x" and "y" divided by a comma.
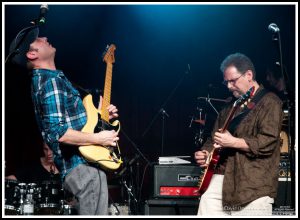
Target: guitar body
{"x": 92, "y": 114}
{"x": 206, "y": 176}
{"x": 98, "y": 121}
{"x": 103, "y": 155}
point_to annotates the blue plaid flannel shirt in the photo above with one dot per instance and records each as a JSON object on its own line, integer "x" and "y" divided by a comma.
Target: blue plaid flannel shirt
{"x": 58, "y": 106}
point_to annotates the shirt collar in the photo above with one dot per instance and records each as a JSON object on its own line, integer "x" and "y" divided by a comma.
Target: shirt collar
{"x": 39, "y": 72}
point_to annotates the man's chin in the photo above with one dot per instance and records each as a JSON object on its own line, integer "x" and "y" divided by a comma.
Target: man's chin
{"x": 236, "y": 94}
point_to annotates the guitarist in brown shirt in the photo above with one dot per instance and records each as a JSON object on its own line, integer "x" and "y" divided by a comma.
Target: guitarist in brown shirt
{"x": 245, "y": 171}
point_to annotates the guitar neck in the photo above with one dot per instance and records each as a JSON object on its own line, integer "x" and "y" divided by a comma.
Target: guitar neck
{"x": 107, "y": 92}
{"x": 237, "y": 103}
{"x": 229, "y": 118}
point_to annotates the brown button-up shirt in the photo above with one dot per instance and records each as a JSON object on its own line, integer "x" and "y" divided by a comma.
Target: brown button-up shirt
{"x": 251, "y": 175}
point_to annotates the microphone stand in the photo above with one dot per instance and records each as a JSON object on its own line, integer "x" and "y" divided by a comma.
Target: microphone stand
{"x": 290, "y": 106}
{"x": 130, "y": 194}
{"x": 200, "y": 139}
{"x": 130, "y": 163}
{"x": 213, "y": 107}
{"x": 208, "y": 100}
{"x": 135, "y": 147}
{"x": 163, "y": 112}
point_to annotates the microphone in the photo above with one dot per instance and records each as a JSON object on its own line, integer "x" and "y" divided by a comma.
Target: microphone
{"x": 273, "y": 28}
{"x": 43, "y": 10}
{"x": 164, "y": 112}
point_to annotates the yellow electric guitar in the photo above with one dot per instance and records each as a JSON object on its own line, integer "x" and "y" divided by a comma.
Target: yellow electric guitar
{"x": 98, "y": 120}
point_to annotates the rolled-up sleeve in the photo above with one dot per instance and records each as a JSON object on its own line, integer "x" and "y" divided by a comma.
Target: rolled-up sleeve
{"x": 266, "y": 139}
{"x": 53, "y": 108}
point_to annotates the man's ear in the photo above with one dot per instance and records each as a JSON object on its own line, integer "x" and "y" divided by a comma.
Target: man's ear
{"x": 249, "y": 74}
{"x": 31, "y": 55}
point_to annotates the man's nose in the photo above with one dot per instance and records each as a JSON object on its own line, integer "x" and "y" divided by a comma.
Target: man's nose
{"x": 229, "y": 86}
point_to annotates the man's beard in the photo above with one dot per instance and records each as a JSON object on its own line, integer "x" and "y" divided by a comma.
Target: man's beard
{"x": 236, "y": 94}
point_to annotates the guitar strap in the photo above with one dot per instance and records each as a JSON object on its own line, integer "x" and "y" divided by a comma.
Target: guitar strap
{"x": 237, "y": 120}
{"x": 82, "y": 90}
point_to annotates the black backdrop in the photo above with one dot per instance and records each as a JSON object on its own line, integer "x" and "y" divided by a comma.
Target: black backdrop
{"x": 155, "y": 45}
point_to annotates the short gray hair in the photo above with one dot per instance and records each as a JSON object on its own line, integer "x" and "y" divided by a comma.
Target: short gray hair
{"x": 240, "y": 61}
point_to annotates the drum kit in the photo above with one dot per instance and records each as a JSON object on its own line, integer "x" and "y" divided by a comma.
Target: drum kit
{"x": 118, "y": 209}
{"x": 47, "y": 198}
{"x": 201, "y": 123}
{"x": 120, "y": 194}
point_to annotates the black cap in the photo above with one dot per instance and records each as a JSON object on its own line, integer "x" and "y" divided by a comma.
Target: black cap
{"x": 20, "y": 45}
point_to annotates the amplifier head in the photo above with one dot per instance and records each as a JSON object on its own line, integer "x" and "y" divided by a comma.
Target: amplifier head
{"x": 176, "y": 181}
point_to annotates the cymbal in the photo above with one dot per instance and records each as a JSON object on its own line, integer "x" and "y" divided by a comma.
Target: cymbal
{"x": 202, "y": 122}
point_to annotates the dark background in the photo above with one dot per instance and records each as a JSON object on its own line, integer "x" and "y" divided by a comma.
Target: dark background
{"x": 155, "y": 45}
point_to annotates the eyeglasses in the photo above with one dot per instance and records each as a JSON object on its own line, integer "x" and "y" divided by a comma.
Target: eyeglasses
{"x": 232, "y": 81}
{"x": 33, "y": 49}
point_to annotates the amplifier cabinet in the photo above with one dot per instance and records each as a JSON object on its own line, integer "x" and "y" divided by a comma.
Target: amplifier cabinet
{"x": 171, "y": 206}
{"x": 284, "y": 201}
{"x": 176, "y": 181}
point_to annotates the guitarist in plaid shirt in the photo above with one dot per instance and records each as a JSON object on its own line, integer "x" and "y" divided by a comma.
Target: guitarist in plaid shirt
{"x": 61, "y": 116}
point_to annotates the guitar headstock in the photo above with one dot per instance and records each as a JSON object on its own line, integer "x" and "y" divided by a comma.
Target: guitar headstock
{"x": 109, "y": 56}
{"x": 244, "y": 97}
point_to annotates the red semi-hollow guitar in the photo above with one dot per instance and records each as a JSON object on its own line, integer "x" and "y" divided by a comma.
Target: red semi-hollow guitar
{"x": 214, "y": 155}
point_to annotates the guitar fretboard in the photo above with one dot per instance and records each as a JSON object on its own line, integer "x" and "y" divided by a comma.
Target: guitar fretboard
{"x": 107, "y": 93}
